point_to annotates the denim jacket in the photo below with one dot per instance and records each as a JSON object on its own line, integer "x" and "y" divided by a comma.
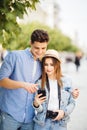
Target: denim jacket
{"x": 67, "y": 104}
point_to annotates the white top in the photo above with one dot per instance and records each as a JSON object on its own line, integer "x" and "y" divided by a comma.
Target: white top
{"x": 53, "y": 99}
{"x": 34, "y": 69}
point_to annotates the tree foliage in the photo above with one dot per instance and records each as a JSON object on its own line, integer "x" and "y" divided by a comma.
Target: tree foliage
{"x": 15, "y": 36}
{"x": 57, "y": 41}
{"x": 9, "y": 11}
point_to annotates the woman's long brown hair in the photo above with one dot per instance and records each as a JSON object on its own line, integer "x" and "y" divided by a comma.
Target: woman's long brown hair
{"x": 58, "y": 72}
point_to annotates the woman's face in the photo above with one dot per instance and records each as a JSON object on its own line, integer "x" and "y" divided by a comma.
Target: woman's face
{"x": 49, "y": 68}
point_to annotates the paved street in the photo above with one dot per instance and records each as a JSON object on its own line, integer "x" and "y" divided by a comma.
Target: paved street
{"x": 79, "y": 79}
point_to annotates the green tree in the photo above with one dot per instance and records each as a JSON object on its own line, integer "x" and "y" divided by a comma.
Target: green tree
{"x": 57, "y": 41}
{"x": 9, "y": 11}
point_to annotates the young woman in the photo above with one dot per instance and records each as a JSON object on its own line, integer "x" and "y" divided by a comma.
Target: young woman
{"x": 53, "y": 109}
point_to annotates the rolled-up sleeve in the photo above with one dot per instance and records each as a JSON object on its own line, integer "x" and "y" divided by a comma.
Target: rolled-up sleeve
{"x": 70, "y": 107}
{"x": 7, "y": 66}
{"x": 67, "y": 84}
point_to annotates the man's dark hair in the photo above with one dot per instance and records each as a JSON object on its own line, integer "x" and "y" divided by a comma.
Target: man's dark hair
{"x": 39, "y": 36}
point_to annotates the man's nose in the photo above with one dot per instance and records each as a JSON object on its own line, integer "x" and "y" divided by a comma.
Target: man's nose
{"x": 40, "y": 51}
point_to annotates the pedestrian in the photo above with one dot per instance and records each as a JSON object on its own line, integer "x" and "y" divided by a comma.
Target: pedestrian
{"x": 54, "y": 107}
{"x": 18, "y": 75}
{"x": 77, "y": 62}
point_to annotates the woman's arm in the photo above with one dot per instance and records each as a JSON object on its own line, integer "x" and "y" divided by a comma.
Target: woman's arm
{"x": 70, "y": 106}
{"x": 37, "y": 103}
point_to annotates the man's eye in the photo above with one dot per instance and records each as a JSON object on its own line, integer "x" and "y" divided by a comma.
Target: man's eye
{"x": 37, "y": 48}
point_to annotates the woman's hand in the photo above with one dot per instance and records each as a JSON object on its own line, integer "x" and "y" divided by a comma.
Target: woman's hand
{"x": 39, "y": 100}
{"x": 60, "y": 115}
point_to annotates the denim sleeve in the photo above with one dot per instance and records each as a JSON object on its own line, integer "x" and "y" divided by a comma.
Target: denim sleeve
{"x": 7, "y": 66}
{"x": 70, "y": 107}
{"x": 67, "y": 84}
{"x": 38, "y": 109}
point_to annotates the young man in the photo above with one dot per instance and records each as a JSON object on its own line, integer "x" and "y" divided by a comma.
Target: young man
{"x": 18, "y": 75}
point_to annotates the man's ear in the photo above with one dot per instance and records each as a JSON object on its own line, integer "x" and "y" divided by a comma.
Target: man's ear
{"x": 30, "y": 43}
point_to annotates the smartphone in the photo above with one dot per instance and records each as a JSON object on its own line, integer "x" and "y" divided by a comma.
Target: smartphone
{"x": 42, "y": 91}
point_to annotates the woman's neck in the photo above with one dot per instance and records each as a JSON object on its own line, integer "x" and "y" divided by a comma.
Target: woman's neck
{"x": 52, "y": 77}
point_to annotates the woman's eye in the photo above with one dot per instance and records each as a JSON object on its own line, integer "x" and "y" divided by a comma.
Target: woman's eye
{"x": 51, "y": 64}
{"x": 46, "y": 64}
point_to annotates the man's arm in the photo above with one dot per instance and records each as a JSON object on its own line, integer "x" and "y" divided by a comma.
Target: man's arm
{"x": 11, "y": 84}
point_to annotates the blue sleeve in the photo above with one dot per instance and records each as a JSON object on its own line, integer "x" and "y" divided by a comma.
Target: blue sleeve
{"x": 7, "y": 66}
{"x": 67, "y": 84}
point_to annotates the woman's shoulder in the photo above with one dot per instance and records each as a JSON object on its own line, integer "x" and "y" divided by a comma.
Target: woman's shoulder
{"x": 39, "y": 83}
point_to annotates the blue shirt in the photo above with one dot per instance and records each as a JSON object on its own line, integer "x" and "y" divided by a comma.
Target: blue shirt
{"x": 18, "y": 66}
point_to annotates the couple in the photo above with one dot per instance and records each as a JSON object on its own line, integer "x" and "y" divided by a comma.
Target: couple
{"x": 19, "y": 74}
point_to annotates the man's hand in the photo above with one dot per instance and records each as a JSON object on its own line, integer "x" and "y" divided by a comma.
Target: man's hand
{"x": 75, "y": 93}
{"x": 31, "y": 88}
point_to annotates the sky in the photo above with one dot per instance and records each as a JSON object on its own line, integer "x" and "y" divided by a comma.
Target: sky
{"x": 73, "y": 20}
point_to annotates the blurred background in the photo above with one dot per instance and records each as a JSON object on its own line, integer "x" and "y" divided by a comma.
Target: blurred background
{"x": 66, "y": 23}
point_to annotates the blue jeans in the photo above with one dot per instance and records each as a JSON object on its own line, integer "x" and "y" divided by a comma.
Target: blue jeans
{"x": 50, "y": 125}
{"x": 9, "y": 123}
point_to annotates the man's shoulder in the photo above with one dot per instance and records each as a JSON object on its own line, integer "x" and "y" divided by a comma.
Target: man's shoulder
{"x": 17, "y": 53}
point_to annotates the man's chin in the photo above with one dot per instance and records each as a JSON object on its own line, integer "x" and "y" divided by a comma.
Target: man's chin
{"x": 39, "y": 57}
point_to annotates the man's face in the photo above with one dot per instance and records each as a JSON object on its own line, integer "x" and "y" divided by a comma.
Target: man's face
{"x": 38, "y": 49}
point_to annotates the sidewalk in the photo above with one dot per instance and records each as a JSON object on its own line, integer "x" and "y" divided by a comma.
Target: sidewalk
{"x": 79, "y": 115}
